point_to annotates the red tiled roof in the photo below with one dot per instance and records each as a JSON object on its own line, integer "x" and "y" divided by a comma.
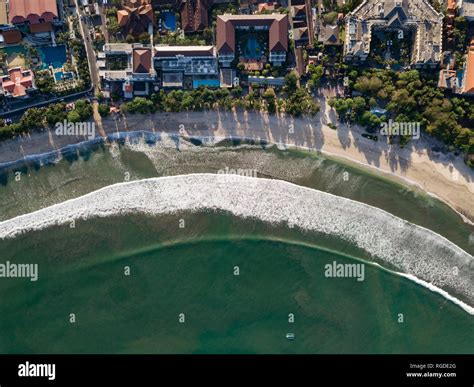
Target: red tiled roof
{"x": 11, "y": 36}
{"x": 299, "y": 10}
{"x": 32, "y": 10}
{"x": 122, "y": 17}
{"x": 277, "y": 23}
{"x": 469, "y": 83}
{"x": 17, "y": 81}
{"x": 135, "y": 19}
{"x": 267, "y": 7}
{"x": 40, "y": 27}
{"x": 194, "y": 15}
{"x": 141, "y": 60}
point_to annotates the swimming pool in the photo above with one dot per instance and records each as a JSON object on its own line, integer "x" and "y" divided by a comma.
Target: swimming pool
{"x": 54, "y": 56}
{"x": 15, "y": 55}
{"x": 61, "y": 75}
{"x": 206, "y": 83}
{"x": 14, "y": 50}
{"x": 252, "y": 49}
{"x": 169, "y": 20}
{"x": 460, "y": 76}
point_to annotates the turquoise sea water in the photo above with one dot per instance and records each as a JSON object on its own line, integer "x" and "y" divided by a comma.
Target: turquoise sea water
{"x": 191, "y": 271}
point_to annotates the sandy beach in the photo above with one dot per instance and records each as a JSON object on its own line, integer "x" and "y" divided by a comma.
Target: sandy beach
{"x": 443, "y": 175}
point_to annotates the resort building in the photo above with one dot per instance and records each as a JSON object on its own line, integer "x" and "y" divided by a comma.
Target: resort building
{"x": 136, "y": 17}
{"x": 413, "y": 20}
{"x": 254, "y": 39}
{"x": 187, "y": 66}
{"x": 128, "y": 68}
{"x": 17, "y": 83}
{"x": 37, "y": 14}
{"x": 139, "y": 70}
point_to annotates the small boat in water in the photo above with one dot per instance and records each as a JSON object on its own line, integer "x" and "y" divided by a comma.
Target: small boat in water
{"x": 290, "y": 336}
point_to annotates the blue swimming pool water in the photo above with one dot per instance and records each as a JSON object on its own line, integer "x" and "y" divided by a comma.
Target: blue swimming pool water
{"x": 460, "y": 76}
{"x": 14, "y": 50}
{"x": 251, "y": 51}
{"x": 52, "y": 56}
{"x": 170, "y": 20}
{"x": 206, "y": 82}
{"x": 60, "y": 75}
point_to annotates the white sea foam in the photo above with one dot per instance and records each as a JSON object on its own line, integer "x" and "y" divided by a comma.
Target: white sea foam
{"x": 413, "y": 250}
{"x": 469, "y": 309}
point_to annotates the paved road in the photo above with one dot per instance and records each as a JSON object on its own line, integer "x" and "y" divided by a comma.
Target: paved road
{"x": 103, "y": 23}
{"x": 91, "y": 59}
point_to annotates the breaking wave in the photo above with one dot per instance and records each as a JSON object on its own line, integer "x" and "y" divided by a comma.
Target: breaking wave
{"x": 416, "y": 252}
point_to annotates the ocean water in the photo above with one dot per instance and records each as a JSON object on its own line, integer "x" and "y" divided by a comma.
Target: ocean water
{"x": 85, "y": 172}
{"x": 190, "y": 270}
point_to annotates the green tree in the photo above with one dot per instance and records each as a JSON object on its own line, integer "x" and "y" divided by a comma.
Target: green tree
{"x": 291, "y": 82}
{"x": 73, "y": 116}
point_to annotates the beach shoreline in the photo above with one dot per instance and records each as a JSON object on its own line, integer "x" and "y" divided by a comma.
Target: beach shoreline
{"x": 445, "y": 177}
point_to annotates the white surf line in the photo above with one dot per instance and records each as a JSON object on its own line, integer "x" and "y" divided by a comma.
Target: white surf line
{"x": 402, "y": 179}
{"x": 216, "y": 139}
{"x": 411, "y": 249}
{"x": 469, "y": 309}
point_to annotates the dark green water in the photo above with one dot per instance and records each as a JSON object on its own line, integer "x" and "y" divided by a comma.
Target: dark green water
{"x": 191, "y": 271}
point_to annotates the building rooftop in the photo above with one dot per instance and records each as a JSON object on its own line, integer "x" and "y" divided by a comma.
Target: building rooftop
{"x": 276, "y": 23}
{"x": 447, "y": 79}
{"x": 17, "y": 82}
{"x": 194, "y": 14}
{"x": 416, "y": 15}
{"x": 467, "y": 9}
{"x": 300, "y": 33}
{"x": 40, "y": 27}
{"x": 262, "y": 7}
{"x": 192, "y": 60}
{"x": 298, "y": 11}
{"x": 329, "y": 34}
{"x": 136, "y": 16}
{"x": 32, "y": 11}
{"x": 141, "y": 60}
{"x": 169, "y": 51}
{"x": 469, "y": 74}
{"x": 3, "y": 13}
{"x": 10, "y": 36}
